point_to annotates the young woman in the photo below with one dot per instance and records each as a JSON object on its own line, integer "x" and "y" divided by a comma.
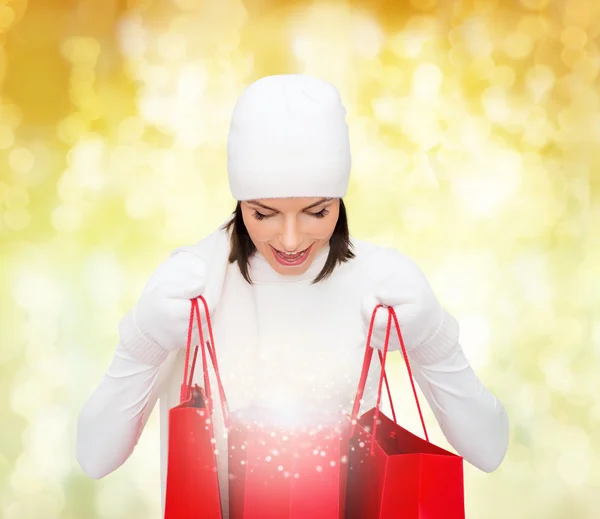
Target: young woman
{"x": 290, "y": 297}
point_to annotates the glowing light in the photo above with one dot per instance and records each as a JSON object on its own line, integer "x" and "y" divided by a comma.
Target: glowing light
{"x": 427, "y": 80}
{"x": 15, "y": 197}
{"x": 7, "y": 137}
{"x": 67, "y": 218}
{"x": 518, "y": 45}
{"x": 539, "y": 80}
{"x": 7, "y": 17}
{"x": 573, "y": 37}
{"x": 17, "y": 218}
{"x": 21, "y": 160}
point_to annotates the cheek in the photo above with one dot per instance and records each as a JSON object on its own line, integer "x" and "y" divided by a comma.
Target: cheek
{"x": 321, "y": 228}
{"x": 259, "y": 231}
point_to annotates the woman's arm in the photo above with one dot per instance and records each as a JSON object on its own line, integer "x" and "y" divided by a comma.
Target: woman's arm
{"x": 151, "y": 334}
{"x": 113, "y": 418}
{"x": 473, "y": 420}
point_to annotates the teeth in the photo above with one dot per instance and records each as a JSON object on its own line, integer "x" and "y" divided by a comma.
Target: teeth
{"x": 293, "y": 255}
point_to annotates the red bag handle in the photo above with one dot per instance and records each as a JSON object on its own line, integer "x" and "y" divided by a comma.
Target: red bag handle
{"x": 206, "y": 345}
{"x": 365, "y": 373}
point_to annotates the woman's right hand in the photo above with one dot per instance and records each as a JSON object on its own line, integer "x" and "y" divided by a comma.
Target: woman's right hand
{"x": 158, "y": 323}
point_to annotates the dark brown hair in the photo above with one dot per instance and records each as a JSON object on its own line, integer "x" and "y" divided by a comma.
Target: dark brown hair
{"x": 242, "y": 248}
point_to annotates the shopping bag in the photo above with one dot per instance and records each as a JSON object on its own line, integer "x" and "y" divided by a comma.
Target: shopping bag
{"x": 392, "y": 472}
{"x": 192, "y": 485}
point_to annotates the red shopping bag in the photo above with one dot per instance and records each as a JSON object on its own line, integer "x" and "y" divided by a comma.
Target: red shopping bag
{"x": 192, "y": 486}
{"x": 392, "y": 472}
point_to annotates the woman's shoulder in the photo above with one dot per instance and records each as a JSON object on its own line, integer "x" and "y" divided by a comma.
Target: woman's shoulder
{"x": 210, "y": 252}
{"x": 367, "y": 250}
{"x": 382, "y": 258}
{"x": 208, "y": 247}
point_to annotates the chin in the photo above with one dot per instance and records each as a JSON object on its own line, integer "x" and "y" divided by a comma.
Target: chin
{"x": 291, "y": 271}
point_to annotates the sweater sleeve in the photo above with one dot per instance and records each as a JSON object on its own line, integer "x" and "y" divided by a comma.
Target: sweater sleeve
{"x": 113, "y": 418}
{"x": 472, "y": 419}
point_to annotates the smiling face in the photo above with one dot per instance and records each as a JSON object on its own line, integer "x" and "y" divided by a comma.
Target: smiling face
{"x": 290, "y": 232}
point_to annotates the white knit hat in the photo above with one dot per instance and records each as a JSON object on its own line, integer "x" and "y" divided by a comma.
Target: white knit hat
{"x": 288, "y": 138}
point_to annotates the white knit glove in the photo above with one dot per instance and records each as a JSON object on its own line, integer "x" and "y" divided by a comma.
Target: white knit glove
{"x": 429, "y": 332}
{"x": 158, "y": 324}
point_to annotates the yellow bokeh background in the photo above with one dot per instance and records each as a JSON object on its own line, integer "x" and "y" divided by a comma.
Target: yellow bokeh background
{"x": 475, "y": 128}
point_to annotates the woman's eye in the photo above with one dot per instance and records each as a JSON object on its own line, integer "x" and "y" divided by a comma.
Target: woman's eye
{"x": 260, "y": 216}
{"x": 321, "y": 214}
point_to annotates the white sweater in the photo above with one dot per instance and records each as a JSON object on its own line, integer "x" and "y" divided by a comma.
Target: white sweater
{"x": 284, "y": 342}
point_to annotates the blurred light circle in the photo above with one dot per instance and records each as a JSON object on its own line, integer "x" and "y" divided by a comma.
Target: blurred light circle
{"x": 70, "y": 129}
{"x": 154, "y": 109}
{"x": 21, "y": 160}
{"x": 7, "y": 137}
{"x": 587, "y": 68}
{"x": 427, "y": 79}
{"x": 458, "y": 56}
{"x": 368, "y": 38}
{"x": 132, "y": 36}
{"x": 535, "y": 4}
{"x": 408, "y": 43}
{"x": 17, "y": 218}
{"x": 539, "y": 79}
{"x": 68, "y": 189}
{"x": 157, "y": 77}
{"x": 81, "y": 51}
{"x": 475, "y": 37}
{"x": 496, "y": 105}
{"x": 10, "y": 114}
{"x": 131, "y": 129}
{"x": 503, "y": 77}
{"x": 534, "y": 25}
{"x": 483, "y": 68}
{"x": 140, "y": 205}
{"x": 67, "y": 218}
{"x": 7, "y": 17}
{"x": 424, "y": 4}
{"x": 573, "y": 37}
{"x": 517, "y": 45}
{"x": 37, "y": 293}
{"x": 573, "y": 464}
{"x": 570, "y": 56}
{"x": 172, "y": 45}
{"x": 16, "y": 197}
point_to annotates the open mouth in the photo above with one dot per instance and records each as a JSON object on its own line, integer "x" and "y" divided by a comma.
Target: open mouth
{"x": 291, "y": 260}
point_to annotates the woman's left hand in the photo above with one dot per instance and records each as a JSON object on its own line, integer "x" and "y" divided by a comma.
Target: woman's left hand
{"x": 403, "y": 286}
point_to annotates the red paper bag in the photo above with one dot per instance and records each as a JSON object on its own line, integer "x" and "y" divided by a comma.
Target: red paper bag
{"x": 192, "y": 486}
{"x": 392, "y": 472}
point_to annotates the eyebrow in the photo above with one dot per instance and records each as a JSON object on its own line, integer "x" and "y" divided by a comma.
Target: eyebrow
{"x": 318, "y": 202}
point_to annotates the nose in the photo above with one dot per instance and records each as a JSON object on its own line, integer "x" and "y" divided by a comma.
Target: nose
{"x": 291, "y": 236}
